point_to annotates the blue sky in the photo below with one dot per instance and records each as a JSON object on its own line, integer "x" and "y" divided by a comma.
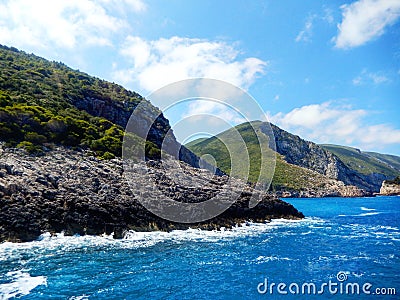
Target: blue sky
{"x": 326, "y": 70}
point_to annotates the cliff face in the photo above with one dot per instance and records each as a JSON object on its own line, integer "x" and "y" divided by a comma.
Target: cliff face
{"x": 309, "y": 155}
{"x": 151, "y": 118}
{"x": 69, "y": 191}
{"x": 389, "y": 188}
{"x": 372, "y": 167}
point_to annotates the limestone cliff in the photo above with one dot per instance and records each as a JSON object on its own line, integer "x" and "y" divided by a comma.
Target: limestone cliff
{"x": 300, "y": 152}
{"x": 390, "y": 187}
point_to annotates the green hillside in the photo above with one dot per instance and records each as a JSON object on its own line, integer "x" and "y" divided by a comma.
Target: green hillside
{"x": 39, "y": 106}
{"x": 366, "y": 162}
{"x": 391, "y": 160}
{"x": 230, "y": 144}
{"x": 195, "y": 142}
{"x": 286, "y": 176}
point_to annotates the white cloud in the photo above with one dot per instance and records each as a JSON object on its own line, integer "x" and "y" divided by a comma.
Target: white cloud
{"x": 214, "y": 110}
{"x": 366, "y": 77}
{"x": 328, "y": 16}
{"x": 327, "y": 123}
{"x": 365, "y": 20}
{"x": 305, "y": 34}
{"x": 159, "y": 62}
{"x": 122, "y": 5}
{"x": 64, "y": 23}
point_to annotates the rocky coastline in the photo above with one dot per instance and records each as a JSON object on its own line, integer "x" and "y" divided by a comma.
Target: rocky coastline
{"x": 72, "y": 192}
{"x": 390, "y": 188}
{"x": 334, "y": 189}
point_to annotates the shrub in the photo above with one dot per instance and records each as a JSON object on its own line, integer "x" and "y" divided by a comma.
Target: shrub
{"x": 30, "y": 147}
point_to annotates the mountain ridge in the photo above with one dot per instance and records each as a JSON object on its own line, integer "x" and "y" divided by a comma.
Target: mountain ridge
{"x": 295, "y": 151}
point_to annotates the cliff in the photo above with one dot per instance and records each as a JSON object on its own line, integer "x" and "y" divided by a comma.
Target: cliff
{"x": 309, "y": 155}
{"x": 371, "y": 166}
{"x": 390, "y": 187}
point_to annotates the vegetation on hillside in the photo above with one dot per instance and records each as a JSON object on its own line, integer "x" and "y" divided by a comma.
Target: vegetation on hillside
{"x": 366, "y": 163}
{"x": 286, "y": 176}
{"x": 36, "y": 107}
{"x": 227, "y": 149}
{"x": 391, "y": 160}
{"x": 394, "y": 181}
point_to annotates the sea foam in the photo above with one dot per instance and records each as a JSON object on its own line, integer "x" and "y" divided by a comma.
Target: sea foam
{"x": 21, "y": 283}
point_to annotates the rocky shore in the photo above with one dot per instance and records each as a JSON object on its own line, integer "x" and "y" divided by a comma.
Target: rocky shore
{"x": 390, "y": 188}
{"x": 75, "y": 193}
{"x": 334, "y": 188}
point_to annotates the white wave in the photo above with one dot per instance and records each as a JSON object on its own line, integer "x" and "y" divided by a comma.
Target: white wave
{"x": 383, "y": 234}
{"x": 49, "y": 245}
{"x": 192, "y": 234}
{"x": 202, "y": 263}
{"x": 361, "y": 215}
{"x": 367, "y": 214}
{"x": 367, "y": 209}
{"x": 263, "y": 259}
{"x": 82, "y": 297}
{"x": 306, "y": 233}
{"x": 21, "y": 284}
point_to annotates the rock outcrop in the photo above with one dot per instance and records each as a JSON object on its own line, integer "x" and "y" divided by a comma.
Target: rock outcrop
{"x": 390, "y": 187}
{"x": 70, "y": 191}
{"x": 151, "y": 124}
{"x": 334, "y": 189}
{"x": 311, "y": 156}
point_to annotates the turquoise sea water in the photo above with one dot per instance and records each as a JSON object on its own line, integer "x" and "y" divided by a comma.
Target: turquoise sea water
{"x": 354, "y": 240}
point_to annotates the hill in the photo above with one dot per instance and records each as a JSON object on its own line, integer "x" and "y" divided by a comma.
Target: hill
{"x": 302, "y": 168}
{"x": 392, "y": 161}
{"x": 44, "y": 103}
{"x": 303, "y": 165}
{"x": 366, "y": 163}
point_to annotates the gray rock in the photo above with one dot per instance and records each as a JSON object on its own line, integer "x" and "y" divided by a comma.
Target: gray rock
{"x": 311, "y": 156}
{"x": 84, "y": 195}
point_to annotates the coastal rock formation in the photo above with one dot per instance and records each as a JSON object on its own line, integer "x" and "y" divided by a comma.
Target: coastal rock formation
{"x": 311, "y": 156}
{"x": 390, "y": 187}
{"x": 71, "y": 191}
{"x": 151, "y": 126}
{"x": 333, "y": 188}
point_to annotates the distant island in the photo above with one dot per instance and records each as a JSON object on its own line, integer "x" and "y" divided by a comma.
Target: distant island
{"x": 61, "y": 134}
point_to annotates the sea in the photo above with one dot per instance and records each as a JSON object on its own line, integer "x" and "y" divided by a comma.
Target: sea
{"x": 345, "y": 248}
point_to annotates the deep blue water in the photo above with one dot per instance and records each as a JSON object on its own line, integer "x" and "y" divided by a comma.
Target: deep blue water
{"x": 358, "y": 237}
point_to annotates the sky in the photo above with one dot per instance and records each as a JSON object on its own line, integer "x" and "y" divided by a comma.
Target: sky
{"x": 328, "y": 71}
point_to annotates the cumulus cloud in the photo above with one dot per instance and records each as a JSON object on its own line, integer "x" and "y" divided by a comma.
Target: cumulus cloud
{"x": 330, "y": 123}
{"x": 64, "y": 23}
{"x": 157, "y": 63}
{"x": 216, "y": 109}
{"x": 365, "y": 20}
